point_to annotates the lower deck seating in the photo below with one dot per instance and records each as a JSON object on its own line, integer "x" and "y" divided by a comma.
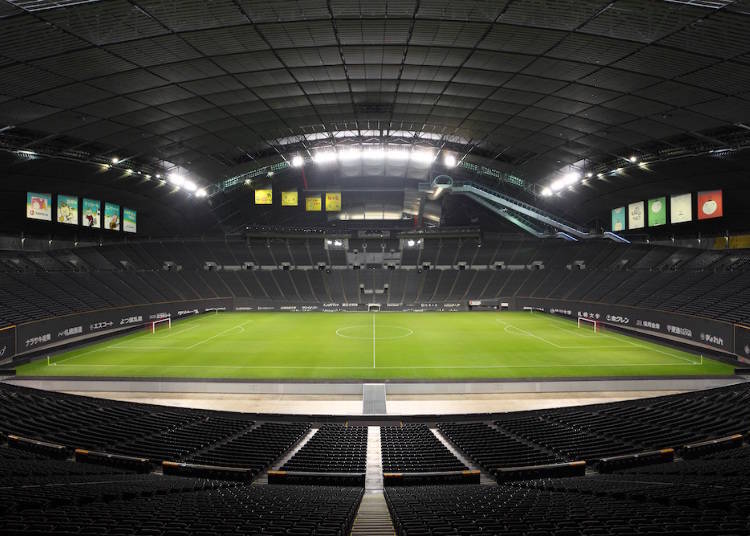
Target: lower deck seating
{"x": 517, "y": 511}
{"x": 253, "y": 449}
{"x": 79, "y": 499}
{"x": 492, "y": 448}
{"x": 334, "y": 448}
{"x": 413, "y": 448}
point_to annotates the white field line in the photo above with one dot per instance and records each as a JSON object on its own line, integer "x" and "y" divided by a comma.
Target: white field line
{"x": 217, "y": 335}
{"x": 381, "y": 367}
{"x": 636, "y": 345}
{"x": 78, "y": 355}
{"x": 624, "y": 338}
{"x": 373, "y": 340}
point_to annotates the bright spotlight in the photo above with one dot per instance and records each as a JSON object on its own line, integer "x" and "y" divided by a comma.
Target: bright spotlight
{"x": 329, "y": 242}
{"x": 176, "y": 180}
{"x": 449, "y": 160}
{"x": 589, "y": 175}
{"x": 410, "y": 243}
{"x": 297, "y": 161}
{"x": 338, "y": 243}
{"x": 201, "y": 193}
{"x": 546, "y": 192}
{"x": 115, "y": 160}
{"x": 568, "y": 179}
{"x": 190, "y": 186}
{"x": 633, "y": 159}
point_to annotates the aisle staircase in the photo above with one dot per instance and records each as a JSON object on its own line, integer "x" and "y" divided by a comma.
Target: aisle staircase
{"x": 373, "y": 518}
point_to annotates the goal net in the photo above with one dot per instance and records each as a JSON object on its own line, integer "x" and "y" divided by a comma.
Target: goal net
{"x": 162, "y": 323}
{"x": 589, "y": 323}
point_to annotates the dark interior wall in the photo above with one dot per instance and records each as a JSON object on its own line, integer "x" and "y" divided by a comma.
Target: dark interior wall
{"x": 160, "y": 211}
{"x": 729, "y": 172}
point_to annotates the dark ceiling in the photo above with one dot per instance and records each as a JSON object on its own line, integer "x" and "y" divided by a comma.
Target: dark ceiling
{"x": 217, "y": 86}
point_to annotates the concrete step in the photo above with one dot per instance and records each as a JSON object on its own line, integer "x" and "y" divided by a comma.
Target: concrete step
{"x": 374, "y": 475}
{"x": 373, "y": 518}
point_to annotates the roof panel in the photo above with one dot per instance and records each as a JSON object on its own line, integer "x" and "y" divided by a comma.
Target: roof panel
{"x": 366, "y": 31}
{"x": 186, "y": 15}
{"x": 677, "y": 94}
{"x": 646, "y": 22}
{"x": 722, "y": 34}
{"x": 71, "y": 96}
{"x": 560, "y": 14}
{"x": 251, "y": 61}
{"x": 20, "y": 80}
{"x": 519, "y": 39}
{"x": 284, "y": 10}
{"x": 447, "y": 33}
{"x": 618, "y": 80}
{"x": 299, "y": 34}
{"x": 105, "y": 22}
{"x": 220, "y": 41}
{"x": 188, "y": 70}
{"x": 564, "y": 70}
{"x": 592, "y": 49}
{"x": 372, "y": 8}
{"x": 481, "y": 10}
{"x": 155, "y": 51}
{"x": 728, "y": 78}
{"x": 48, "y": 40}
{"x": 663, "y": 62}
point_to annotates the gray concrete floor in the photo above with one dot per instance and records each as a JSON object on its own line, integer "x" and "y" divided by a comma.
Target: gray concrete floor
{"x": 442, "y": 404}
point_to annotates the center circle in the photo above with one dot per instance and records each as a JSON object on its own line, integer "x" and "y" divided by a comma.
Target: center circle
{"x": 382, "y": 332}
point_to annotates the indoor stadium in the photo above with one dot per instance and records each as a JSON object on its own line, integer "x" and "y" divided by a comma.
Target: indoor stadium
{"x": 384, "y": 267}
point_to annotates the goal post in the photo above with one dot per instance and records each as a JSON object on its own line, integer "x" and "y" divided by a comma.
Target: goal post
{"x": 589, "y": 322}
{"x": 160, "y": 323}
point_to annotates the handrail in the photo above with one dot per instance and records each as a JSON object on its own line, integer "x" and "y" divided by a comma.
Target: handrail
{"x": 521, "y": 212}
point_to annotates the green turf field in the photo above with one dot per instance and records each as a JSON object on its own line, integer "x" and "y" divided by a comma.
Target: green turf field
{"x": 380, "y": 346}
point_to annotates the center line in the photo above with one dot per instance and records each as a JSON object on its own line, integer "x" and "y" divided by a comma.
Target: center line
{"x": 373, "y": 340}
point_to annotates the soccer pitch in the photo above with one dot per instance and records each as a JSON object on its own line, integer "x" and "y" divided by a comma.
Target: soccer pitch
{"x": 377, "y": 346}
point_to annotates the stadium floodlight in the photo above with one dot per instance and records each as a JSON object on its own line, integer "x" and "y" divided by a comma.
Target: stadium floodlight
{"x": 115, "y": 160}
{"x": 410, "y": 243}
{"x": 176, "y": 179}
{"x": 297, "y": 161}
{"x": 546, "y": 192}
{"x": 158, "y": 176}
{"x": 201, "y": 193}
{"x": 633, "y": 159}
{"x": 449, "y": 160}
{"x": 568, "y": 179}
{"x": 589, "y": 175}
{"x": 338, "y": 243}
{"x": 329, "y": 242}
{"x": 190, "y": 186}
